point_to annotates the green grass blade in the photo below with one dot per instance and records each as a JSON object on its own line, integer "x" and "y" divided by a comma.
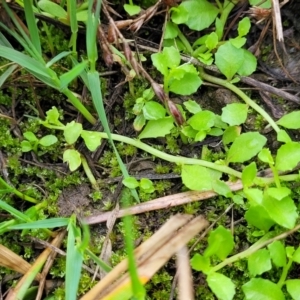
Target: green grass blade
{"x": 6, "y": 74}
{"x": 91, "y": 33}
{"x": 72, "y": 14}
{"x": 74, "y": 262}
{"x": 71, "y": 9}
{"x": 4, "y": 41}
{"x": 78, "y": 105}
{"x": 32, "y": 27}
{"x": 83, "y": 75}
{"x": 67, "y": 77}
{"x": 28, "y": 46}
{"x": 25, "y": 61}
{"x": 57, "y": 58}
{"x": 48, "y": 223}
{"x": 18, "y": 38}
{"x": 98, "y": 261}
{"x": 53, "y": 82}
{"x": 16, "y": 213}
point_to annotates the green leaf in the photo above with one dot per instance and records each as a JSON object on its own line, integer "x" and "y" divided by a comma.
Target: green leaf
{"x": 171, "y": 31}
{"x": 53, "y": 9}
{"x": 246, "y": 146}
{"x": 219, "y": 28}
{"x": 212, "y": 41}
{"x": 27, "y": 62}
{"x": 156, "y": 128}
{"x": 67, "y": 77}
{"x": 249, "y": 174}
{"x": 139, "y": 122}
{"x": 293, "y": 288}
{"x": 259, "y": 217}
{"x": 132, "y": 9}
{"x": 130, "y": 182}
{"x": 215, "y": 131}
{"x": 82, "y": 16}
{"x": 189, "y": 131}
{"x": 229, "y": 59}
{"x": 265, "y": 156}
{"x": 288, "y": 156}
{"x": 196, "y": 178}
{"x": 57, "y": 58}
{"x": 92, "y": 139}
{"x": 48, "y": 223}
{"x": 200, "y": 263}
{"x": 259, "y": 262}
{"x": 147, "y": 185}
{"x": 254, "y": 195}
{"x": 283, "y": 212}
{"x": 277, "y": 253}
{"x": 244, "y": 26}
{"x": 238, "y": 42}
{"x": 179, "y": 14}
{"x": 187, "y": 85}
{"x": 30, "y": 136}
{"x": 262, "y": 289}
{"x": 26, "y": 146}
{"x": 168, "y": 58}
{"x": 48, "y": 140}
{"x": 230, "y": 134}
{"x": 73, "y": 261}
{"x": 72, "y": 157}
{"x": 289, "y": 251}
{"x": 52, "y": 117}
{"x": 72, "y": 132}
{"x": 279, "y": 193}
{"x": 148, "y": 94}
{"x": 249, "y": 65}
{"x": 260, "y": 4}
{"x": 291, "y": 120}
{"x": 221, "y": 188}
{"x": 192, "y": 106}
{"x": 153, "y": 111}
{"x": 296, "y": 255}
{"x": 220, "y": 243}
{"x": 201, "y": 13}
{"x": 4, "y": 76}
{"x": 221, "y": 285}
{"x": 234, "y": 113}
{"x": 203, "y": 120}
{"x": 282, "y": 136}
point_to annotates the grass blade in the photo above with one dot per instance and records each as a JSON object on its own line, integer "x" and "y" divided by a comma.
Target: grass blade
{"x": 98, "y": 261}
{"x": 57, "y": 58}
{"x": 47, "y": 223}
{"x": 4, "y": 41}
{"x": 71, "y": 8}
{"x": 31, "y": 23}
{"x": 25, "y": 61}
{"x": 67, "y": 77}
{"x": 6, "y": 74}
{"x": 16, "y": 213}
{"x": 74, "y": 262}
{"x": 28, "y": 45}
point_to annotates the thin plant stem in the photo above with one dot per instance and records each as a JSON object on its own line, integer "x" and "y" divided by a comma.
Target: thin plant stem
{"x": 89, "y": 173}
{"x": 240, "y": 93}
{"x": 284, "y": 273}
{"x": 184, "y": 40}
{"x": 81, "y": 108}
{"x": 16, "y": 192}
{"x": 171, "y": 158}
{"x": 258, "y": 245}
